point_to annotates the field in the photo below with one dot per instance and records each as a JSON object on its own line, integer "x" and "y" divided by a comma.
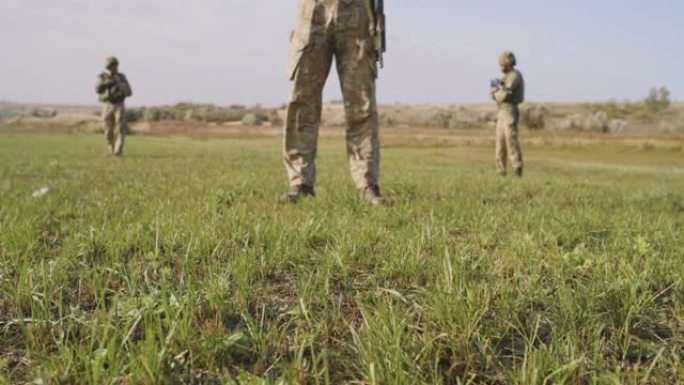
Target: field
{"x": 178, "y": 264}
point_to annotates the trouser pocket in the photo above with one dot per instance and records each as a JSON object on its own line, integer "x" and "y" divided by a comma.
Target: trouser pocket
{"x": 301, "y": 35}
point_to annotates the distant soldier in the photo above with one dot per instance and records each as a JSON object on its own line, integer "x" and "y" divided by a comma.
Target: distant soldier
{"x": 113, "y": 88}
{"x": 352, "y": 32}
{"x": 508, "y": 93}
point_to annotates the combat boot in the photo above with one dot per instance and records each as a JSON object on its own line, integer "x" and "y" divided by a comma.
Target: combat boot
{"x": 371, "y": 194}
{"x": 519, "y": 172}
{"x": 299, "y": 191}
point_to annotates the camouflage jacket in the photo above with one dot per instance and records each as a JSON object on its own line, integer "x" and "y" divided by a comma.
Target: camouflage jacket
{"x": 113, "y": 89}
{"x": 512, "y": 91}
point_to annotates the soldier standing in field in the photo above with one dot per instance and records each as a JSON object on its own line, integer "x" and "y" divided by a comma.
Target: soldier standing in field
{"x": 352, "y": 32}
{"x": 508, "y": 93}
{"x": 113, "y": 88}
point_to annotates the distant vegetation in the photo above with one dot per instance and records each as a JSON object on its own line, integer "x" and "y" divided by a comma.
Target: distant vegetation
{"x": 253, "y": 116}
{"x": 616, "y": 116}
{"x": 654, "y": 113}
{"x": 8, "y": 110}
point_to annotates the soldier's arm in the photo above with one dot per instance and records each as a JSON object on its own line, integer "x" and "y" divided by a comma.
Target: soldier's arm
{"x": 510, "y": 84}
{"x": 102, "y": 83}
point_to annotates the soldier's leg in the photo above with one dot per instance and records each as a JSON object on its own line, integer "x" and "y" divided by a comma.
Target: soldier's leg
{"x": 121, "y": 128}
{"x": 356, "y": 66}
{"x": 304, "y": 111}
{"x": 513, "y": 142}
{"x": 109, "y": 120}
{"x": 501, "y": 155}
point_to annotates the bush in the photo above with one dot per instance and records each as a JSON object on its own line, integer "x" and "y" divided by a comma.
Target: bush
{"x": 592, "y": 122}
{"x": 221, "y": 115}
{"x": 439, "y": 118}
{"x": 252, "y": 120}
{"x": 275, "y": 119}
{"x": 461, "y": 119}
{"x": 534, "y": 117}
{"x": 134, "y": 114}
{"x": 673, "y": 126}
{"x": 43, "y": 112}
{"x": 386, "y": 120}
{"x": 657, "y": 100}
{"x": 617, "y": 126}
{"x": 487, "y": 117}
{"x": 189, "y": 115}
{"x": 151, "y": 114}
{"x": 204, "y": 113}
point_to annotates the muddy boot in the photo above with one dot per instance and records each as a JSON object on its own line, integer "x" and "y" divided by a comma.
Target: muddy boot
{"x": 297, "y": 192}
{"x": 519, "y": 172}
{"x": 371, "y": 194}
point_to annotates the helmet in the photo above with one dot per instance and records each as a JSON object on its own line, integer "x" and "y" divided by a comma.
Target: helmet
{"x": 508, "y": 57}
{"x": 111, "y": 61}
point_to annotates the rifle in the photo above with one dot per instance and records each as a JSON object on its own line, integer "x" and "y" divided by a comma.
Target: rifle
{"x": 496, "y": 84}
{"x": 380, "y": 30}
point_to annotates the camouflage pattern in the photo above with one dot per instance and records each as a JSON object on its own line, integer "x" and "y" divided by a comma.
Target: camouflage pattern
{"x": 113, "y": 89}
{"x": 508, "y": 97}
{"x": 116, "y": 126}
{"x": 342, "y": 29}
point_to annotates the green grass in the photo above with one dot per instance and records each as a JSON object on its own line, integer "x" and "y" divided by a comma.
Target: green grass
{"x": 177, "y": 264}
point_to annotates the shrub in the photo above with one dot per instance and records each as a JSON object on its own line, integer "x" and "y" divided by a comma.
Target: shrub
{"x": 275, "y": 119}
{"x": 439, "y": 118}
{"x": 221, "y": 115}
{"x": 487, "y": 117}
{"x": 43, "y": 112}
{"x": 386, "y": 120}
{"x": 189, "y": 115}
{"x": 657, "y": 100}
{"x": 534, "y": 116}
{"x": 252, "y": 120}
{"x": 592, "y": 122}
{"x": 617, "y": 126}
{"x": 134, "y": 114}
{"x": 597, "y": 122}
{"x": 151, "y": 114}
{"x": 461, "y": 119}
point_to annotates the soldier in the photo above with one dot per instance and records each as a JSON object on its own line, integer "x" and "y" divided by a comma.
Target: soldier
{"x": 508, "y": 93}
{"x": 348, "y": 31}
{"x": 113, "y": 88}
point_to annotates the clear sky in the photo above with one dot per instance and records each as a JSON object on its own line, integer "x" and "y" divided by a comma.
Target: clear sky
{"x": 440, "y": 51}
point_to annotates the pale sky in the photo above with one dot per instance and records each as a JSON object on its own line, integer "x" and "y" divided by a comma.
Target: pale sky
{"x": 440, "y": 51}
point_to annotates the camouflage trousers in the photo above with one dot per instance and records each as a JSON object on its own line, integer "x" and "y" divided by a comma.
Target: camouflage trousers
{"x": 115, "y": 126}
{"x": 327, "y": 29}
{"x": 507, "y": 143}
